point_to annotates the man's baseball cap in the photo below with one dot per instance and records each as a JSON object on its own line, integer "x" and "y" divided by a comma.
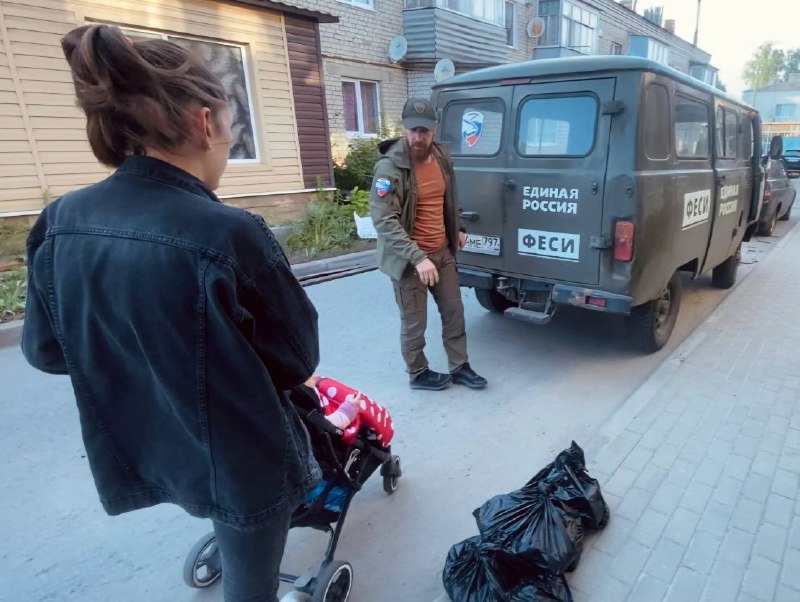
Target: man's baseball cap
{"x": 419, "y": 113}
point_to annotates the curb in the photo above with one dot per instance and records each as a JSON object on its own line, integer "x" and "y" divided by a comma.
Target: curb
{"x": 308, "y": 273}
{"x": 640, "y": 398}
{"x": 10, "y": 333}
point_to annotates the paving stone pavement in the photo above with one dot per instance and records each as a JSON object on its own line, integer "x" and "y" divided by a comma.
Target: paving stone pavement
{"x": 701, "y": 467}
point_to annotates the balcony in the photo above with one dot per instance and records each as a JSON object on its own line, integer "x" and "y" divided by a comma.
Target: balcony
{"x": 435, "y": 33}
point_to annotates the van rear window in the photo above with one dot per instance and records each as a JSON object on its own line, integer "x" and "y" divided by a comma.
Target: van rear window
{"x": 557, "y": 126}
{"x": 473, "y": 128}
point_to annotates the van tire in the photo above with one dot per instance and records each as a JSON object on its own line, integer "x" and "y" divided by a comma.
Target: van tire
{"x": 651, "y": 324}
{"x": 490, "y": 299}
{"x": 788, "y": 214}
{"x": 767, "y": 228}
{"x": 724, "y": 275}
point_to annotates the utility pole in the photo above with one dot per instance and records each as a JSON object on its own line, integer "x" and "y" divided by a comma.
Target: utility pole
{"x": 697, "y": 23}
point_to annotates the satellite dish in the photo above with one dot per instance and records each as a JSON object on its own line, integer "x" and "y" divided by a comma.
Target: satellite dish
{"x": 535, "y": 28}
{"x": 398, "y": 47}
{"x": 445, "y": 69}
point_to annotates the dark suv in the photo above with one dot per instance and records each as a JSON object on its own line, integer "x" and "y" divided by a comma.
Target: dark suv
{"x": 791, "y": 159}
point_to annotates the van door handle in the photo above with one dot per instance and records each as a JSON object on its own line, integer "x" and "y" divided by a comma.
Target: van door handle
{"x": 721, "y": 178}
{"x": 470, "y": 216}
{"x": 511, "y": 185}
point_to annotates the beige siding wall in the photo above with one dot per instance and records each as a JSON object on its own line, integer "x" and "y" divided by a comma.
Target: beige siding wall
{"x": 42, "y": 134}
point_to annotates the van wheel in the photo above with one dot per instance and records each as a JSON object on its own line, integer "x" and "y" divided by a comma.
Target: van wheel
{"x": 767, "y": 229}
{"x": 724, "y": 275}
{"x": 650, "y": 324}
{"x": 492, "y": 300}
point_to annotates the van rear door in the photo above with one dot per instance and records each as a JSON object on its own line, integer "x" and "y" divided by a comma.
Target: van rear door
{"x": 474, "y": 130}
{"x": 556, "y": 173}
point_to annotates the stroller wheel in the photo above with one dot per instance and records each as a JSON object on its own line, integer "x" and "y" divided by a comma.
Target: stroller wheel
{"x": 334, "y": 582}
{"x": 391, "y": 473}
{"x": 203, "y": 566}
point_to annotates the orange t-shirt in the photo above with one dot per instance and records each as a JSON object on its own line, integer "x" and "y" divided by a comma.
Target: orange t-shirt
{"x": 429, "y": 232}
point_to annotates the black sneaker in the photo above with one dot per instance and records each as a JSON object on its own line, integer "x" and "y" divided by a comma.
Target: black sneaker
{"x": 430, "y": 380}
{"x": 467, "y": 376}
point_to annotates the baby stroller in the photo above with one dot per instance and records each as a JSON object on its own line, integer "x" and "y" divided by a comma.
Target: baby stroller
{"x": 345, "y": 469}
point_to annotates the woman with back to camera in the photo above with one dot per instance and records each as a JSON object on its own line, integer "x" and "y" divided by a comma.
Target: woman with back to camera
{"x": 177, "y": 318}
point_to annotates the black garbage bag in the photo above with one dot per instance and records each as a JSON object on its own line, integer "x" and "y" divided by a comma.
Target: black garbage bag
{"x": 472, "y": 574}
{"x": 571, "y": 486}
{"x": 544, "y": 588}
{"x": 475, "y": 573}
{"x": 526, "y": 526}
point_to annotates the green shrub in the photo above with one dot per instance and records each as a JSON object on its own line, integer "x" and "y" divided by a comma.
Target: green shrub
{"x": 12, "y": 240}
{"x": 358, "y": 166}
{"x": 325, "y": 225}
{"x": 359, "y": 201}
{"x": 13, "y": 287}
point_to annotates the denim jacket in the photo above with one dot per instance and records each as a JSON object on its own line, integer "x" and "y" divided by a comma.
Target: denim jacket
{"x": 181, "y": 326}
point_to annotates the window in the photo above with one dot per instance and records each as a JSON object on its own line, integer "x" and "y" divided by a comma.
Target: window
{"x": 486, "y": 10}
{"x": 474, "y": 128}
{"x": 360, "y": 107}
{"x": 727, "y": 127}
{"x": 579, "y": 28}
{"x": 691, "y": 128}
{"x": 616, "y": 49}
{"x": 731, "y": 134}
{"x": 229, "y": 63}
{"x": 748, "y": 140}
{"x": 649, "y": 48}
{"x": 550, "y": 12}
{"x": 370, "y": 4}
{"x": 563, "y": 126}
{"x": 655, "y": 122}
{"x": 511, "y": 23}
{"x": 785, "y": 112}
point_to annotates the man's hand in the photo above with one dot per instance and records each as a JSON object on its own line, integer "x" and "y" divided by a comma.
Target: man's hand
{"x": 462, "y": 240}
{"x": 427, "y": 272}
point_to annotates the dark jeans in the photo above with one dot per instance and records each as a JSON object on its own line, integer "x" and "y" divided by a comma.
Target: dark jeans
{"x": 412, "y": 299}
{"x": 251, "y": 560}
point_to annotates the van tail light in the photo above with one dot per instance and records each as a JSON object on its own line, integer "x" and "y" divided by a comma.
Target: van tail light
{"x": 767, "y": 194}
{"x": 623, "y": 241}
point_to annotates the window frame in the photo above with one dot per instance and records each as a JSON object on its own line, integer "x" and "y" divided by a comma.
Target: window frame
{"x": 365, "y": 4}
{"x": 647, "y": 117}
{"x": 512, "y": 32}
{"x": 616, "y": 45}
{"x": 518, "y": 125}
{"x": 499, "y": 21}
{"x": 243, "y": 48}
{"x": 360, "y": 133}
{"x": 685, "y": 97}
{"x": 778, "y": 111}
{"x": 473, "y": 103}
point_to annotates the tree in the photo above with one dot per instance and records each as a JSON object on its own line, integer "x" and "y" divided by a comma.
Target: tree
{"x": 791, "y": 63}
{"x": 766, "y": 66}
{"x": 721, "y": 86}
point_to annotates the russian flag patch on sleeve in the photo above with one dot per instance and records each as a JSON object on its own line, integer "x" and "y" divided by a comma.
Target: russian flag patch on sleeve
{"x": 382, "y": 186}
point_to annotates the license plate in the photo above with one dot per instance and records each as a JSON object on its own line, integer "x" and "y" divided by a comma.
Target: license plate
{"x": 477, "y": 243}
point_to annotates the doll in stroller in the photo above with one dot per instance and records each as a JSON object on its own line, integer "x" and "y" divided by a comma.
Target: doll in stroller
{"x": 350, "y": 437}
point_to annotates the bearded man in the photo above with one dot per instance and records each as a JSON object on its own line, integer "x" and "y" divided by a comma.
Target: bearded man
{"x": 415, "y": 212}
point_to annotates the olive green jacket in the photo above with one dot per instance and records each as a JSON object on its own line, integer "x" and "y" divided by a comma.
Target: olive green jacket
{"x": 394, "y": 211}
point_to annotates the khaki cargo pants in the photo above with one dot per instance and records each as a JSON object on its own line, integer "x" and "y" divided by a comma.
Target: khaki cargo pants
{"x": 412, "y": 299}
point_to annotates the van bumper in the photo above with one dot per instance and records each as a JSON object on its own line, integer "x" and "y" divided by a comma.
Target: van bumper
{"x": 578, "y": 296}
{"x": 562, "y": 294}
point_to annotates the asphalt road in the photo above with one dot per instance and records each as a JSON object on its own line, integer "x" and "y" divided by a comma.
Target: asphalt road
{"x": 548, "y": 385}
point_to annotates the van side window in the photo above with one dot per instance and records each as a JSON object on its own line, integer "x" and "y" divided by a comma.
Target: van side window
{"x": 748, "y": 142}
{"x": 691, "y": 128}
{"x": 656, "y": 122}
{"x": 731, "y": 134}
{"x": 557, "y": 126}
{"x": 473, "y": 128}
